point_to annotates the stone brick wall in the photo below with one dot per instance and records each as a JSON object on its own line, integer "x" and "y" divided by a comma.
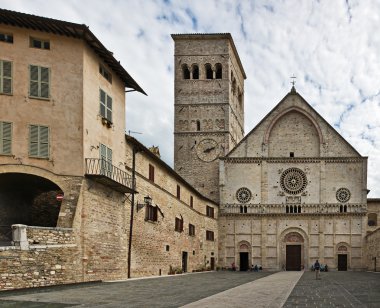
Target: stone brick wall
{"x": 38, "y": 267}
{"x": 373, "y": 250}
{"x": 49, "y": 236}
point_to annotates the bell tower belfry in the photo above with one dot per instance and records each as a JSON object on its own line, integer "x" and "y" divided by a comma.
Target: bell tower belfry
{"x": 208, "y": 106}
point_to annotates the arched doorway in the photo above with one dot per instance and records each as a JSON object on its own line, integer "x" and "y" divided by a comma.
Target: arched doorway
{"x": 342, "y": 256}
{"x": 294, "y": 251}
{"x": 244, "y": 249}
{"x": 27, "y": 199}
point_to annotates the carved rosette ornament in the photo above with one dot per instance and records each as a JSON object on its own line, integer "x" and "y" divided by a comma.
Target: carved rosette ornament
{"x": 243, "y": 195}
{"x": 343, "y": 195}
{"x": 293, "y": 181}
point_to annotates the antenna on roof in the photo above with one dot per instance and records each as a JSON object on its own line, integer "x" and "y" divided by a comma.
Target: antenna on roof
{"x": 132, "y": 132}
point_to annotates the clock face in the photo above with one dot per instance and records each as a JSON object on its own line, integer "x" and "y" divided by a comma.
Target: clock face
{"x": 208, "y": 150}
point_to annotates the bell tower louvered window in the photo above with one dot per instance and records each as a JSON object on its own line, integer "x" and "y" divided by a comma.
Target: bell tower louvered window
{"x": 39, "y": 141}
{"x": 5, "y": 138}
{"x": 39, "y": 81}
{"x": 105, "y": 106}
{"x": 5, "y": 77}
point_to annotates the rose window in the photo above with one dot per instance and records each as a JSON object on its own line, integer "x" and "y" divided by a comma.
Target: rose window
{"x": 243, "y": 195}
{"x": 343, "y": 195}
{"x": 293, "y": 181}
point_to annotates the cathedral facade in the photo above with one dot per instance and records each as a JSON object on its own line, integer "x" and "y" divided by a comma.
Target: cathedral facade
{"x": 290, "y": 192}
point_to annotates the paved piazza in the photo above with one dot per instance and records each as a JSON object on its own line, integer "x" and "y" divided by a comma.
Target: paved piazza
{"x": 212, "y": 289}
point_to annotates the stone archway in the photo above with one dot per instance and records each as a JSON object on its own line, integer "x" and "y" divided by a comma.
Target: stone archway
{"x": 293, "y": 249}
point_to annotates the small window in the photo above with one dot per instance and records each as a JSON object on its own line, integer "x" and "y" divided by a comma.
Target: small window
{"x": 195, "y": 70}
{"x": 178, "y": 192}
{"x": 5, "y": 138}
{"x": 7, "y": 38}
{"x": 191, "y": 201}
{"x": 198, "y": 125}
{"x": 185, "y": 72}
{"x": 178, "y": 224}
{"x": 105, "y": 73}
{"x": 167, "y": 247}
{"x": 233, "y": 86}
{"x": 291, "y": 154}
{"x": 151, "y": 213}
{"x": 39, "y": 81}
{"x": 39, "y": 141}
{"x": 105, "y": 106}
{"x": 39, "y": 43}
{"x": 209, "y": 72}
{"x": 209, "y": 235}
{"x": 151, "y": 173}
{"x": 5, "y": 77}
{"x": 209, "y": 211}
{"x": 218, "y": 71}
{"x": 240, "y": 98}
{"x": 372, "y": 219}
{"x": 191, "y": 230}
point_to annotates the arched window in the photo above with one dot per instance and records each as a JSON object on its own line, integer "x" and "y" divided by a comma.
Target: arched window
{"x": 287, "y": 209}
{"x": 218, "y": 71}
{"x": 245, "y": 209}
{"x": 372, "y": 219}
{"x": 345, "y": 208}
{"x": 208, "y": 70}
{"x": 341, "y": 209}
{"x": 291, "y": 209}
{"x": 185, "y": 72}
{"x": 299, "y": 209}
{"x": 198, "y": 125}
{"x": 241, "y": 209}
{"x": 195, "y": 70}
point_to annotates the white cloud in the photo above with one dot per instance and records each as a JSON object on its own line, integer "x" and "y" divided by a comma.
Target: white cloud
{"x": 331, "y": 46}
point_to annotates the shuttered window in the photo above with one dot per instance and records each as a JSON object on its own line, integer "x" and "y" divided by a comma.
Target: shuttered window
{"x": 5, "y": 77}
{"x": 39, "y": 141}
{"x": 5, "y": 138}
{"x": 105, "y": 105}
{"x": 39, "y": 81}
{"x": 209, "y": 235}
{"x": 106, "y": 160}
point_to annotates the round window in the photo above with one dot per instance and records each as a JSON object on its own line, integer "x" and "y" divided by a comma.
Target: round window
{"x": 243, "y": 195}
{"x": 293, "y": 181}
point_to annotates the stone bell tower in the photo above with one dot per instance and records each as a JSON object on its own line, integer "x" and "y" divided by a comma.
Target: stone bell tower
{"x": 208, "y": 106}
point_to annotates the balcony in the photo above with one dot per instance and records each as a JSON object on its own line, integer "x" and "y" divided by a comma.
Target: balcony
{"x": 107, "y": 174}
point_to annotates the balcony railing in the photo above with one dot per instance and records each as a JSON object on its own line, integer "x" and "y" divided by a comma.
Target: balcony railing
{"x": 293, "y": 209}
{"x": 104, "y": 172}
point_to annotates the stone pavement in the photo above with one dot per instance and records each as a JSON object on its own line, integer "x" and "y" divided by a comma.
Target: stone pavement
{"x": 243, "y": 289}
{"x": 271, "y": 291}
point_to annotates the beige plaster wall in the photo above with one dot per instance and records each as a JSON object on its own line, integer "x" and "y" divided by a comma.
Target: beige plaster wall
{"x": 62, "y": 112}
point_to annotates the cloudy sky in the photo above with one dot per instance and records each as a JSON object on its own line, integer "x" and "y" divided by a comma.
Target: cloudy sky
{"x": 332, "y": 47}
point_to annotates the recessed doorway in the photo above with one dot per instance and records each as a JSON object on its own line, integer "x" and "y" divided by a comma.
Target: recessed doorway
{"x": 342, "y": 262}
{"x": 293, "y": 257}
{"x": 244, "y": 261}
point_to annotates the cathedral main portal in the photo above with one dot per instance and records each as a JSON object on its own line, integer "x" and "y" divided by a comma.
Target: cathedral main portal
{"x": 293, "y": 257}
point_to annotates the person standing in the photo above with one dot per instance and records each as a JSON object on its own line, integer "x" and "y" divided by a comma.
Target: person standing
{"x": 317, "y": 268}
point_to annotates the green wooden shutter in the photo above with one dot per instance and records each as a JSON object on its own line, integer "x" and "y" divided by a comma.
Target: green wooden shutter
{"x": 33, "y": 87}
{"x": 43, "y": 141}
{"x": 6, "y": 137}
{"x": 109, "y": 108}
{"x": 102, "y": 98}
{"x": 44, "y": 82}
{"x": 33, "y": 140}
{"x": 6, "y": 77}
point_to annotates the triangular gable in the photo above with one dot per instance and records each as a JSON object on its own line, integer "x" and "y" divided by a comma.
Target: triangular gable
{"x": 254, "y": 143}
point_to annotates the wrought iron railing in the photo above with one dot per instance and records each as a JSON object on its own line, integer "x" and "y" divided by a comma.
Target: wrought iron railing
{"x": 101, "y": 167}
{"x": 5, "y": 235}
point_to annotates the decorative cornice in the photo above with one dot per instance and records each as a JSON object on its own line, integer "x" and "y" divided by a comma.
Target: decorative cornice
{"x": 203, "y": 133}
{"x": 295, "y": 160}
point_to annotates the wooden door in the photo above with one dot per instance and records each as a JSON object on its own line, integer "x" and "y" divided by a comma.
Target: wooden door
{"x": 212, "y": 265}
{"x": 342, "y": 262}
{"x": 293, "y": 257}
{"x": 184, "y": 261}
{"x": 244, "y": 261}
